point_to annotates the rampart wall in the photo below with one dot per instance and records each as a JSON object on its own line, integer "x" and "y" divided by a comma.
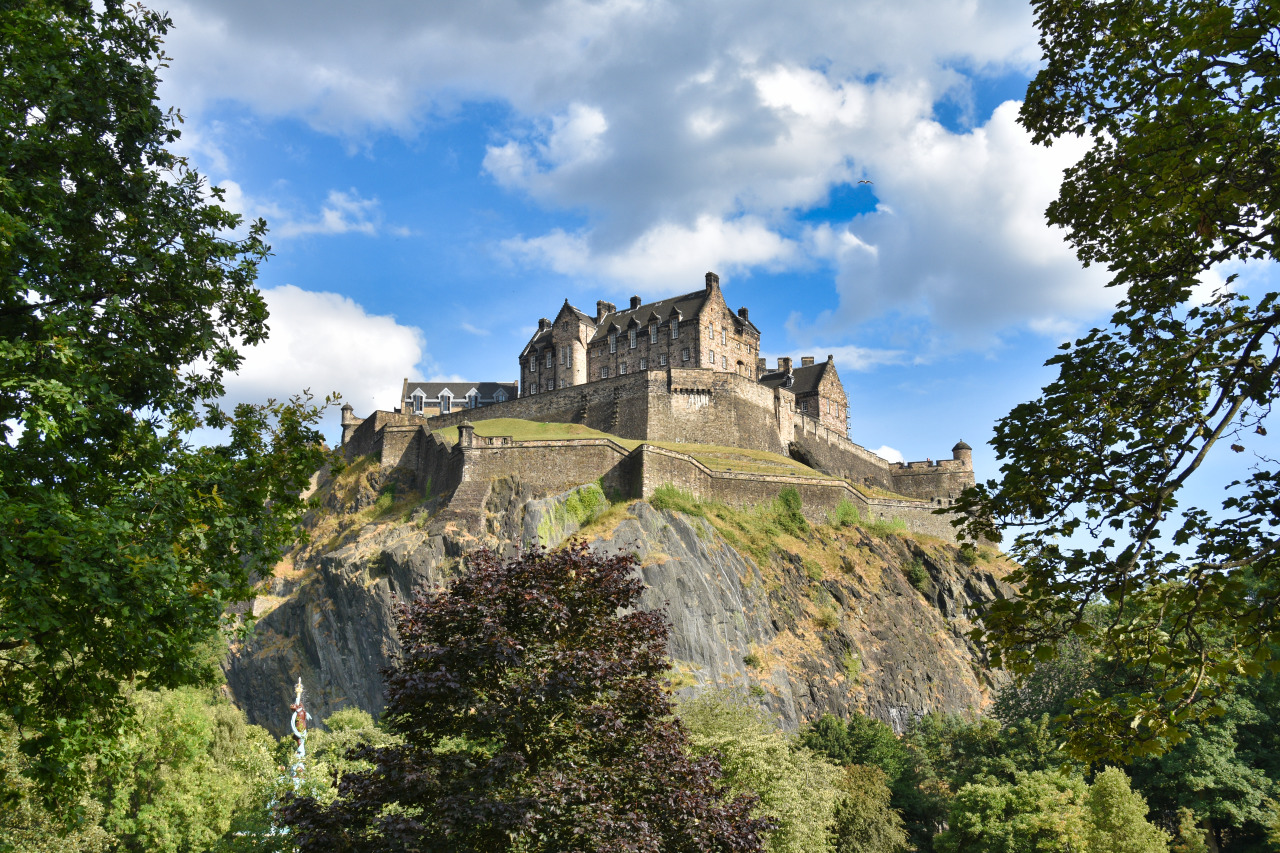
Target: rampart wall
{"x": 559, "y": 465}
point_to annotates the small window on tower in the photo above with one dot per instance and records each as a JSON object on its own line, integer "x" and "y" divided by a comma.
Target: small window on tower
{"x": 662, "y": 359}
{"x": 711, "y": 357}
{"x": 563, "y": 353}
{"x": 724, "y": 362}
{"x": 644, "y": 363}
{"x": 684, "y": 354}
{"x": 722, "y": 336}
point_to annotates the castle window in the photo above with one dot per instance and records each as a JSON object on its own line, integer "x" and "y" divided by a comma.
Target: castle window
{"x": 446, "y": 403}
{"x": 613, "y": 342}
{"x": 631, "y": 337}
{"x": 533, "y": 389}
{"x": 804, "y": 405}
{"x": 644, "y": 364}
{"x": 675, "y": 328}
{"x": 564, "y": 353}
{"x": 622, "y": 368}
{"x": 550, "y": 357}
{"x": 722, "y": 336}
{"x": 604, "y": 372}
{"x": 711, "y": 357}
{"x": 724, "y": 362}
{"x": 662, "y": 359}
{"x": 653, "y": 333}
{"x": 684, "y": 354}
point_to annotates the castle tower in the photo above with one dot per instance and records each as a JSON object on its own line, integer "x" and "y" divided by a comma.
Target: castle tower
{"x": 963, "y": 454}
{"x": 349, "y": 422}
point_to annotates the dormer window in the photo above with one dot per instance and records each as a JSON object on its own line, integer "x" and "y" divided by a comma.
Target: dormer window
{"x": 473, "y": 399}
{"x": 613, "y": 342}
{"x": 631, "y": 338}
{"x": 500, "y": 396}
{"x": 418, "y": 397}
{"x": 653, "y": 333}
{"x": 446, "y": 402}
{"x": 675, "y": 328}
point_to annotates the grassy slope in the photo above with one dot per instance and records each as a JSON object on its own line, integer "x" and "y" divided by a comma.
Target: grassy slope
{"x": 715, "y": 457}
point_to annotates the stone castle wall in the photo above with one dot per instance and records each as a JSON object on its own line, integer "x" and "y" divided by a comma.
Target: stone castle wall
{"x": 558, "y": 465}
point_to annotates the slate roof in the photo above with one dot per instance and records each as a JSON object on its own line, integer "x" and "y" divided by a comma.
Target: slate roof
{"x": 431, "y": 390}
{"x": 688, "y": 305}
{"x": 804, "y": 379}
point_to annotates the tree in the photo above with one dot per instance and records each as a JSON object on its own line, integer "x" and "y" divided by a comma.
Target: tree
{"x": 798, "y": 789}
{"x": 1041, "y": 811}
{"x": 122, "y": 305}
{"x": 1117, "y": 820}
{"x": 858, "y": 740}
{"x": 865, "y": 821}
{"x": 530, "y": 699}
{"x": 1180, "y": 100}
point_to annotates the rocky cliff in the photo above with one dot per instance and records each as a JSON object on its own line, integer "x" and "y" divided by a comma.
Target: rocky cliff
{"x": 829, "y": 618}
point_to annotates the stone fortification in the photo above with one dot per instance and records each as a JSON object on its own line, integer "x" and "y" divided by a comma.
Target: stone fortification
{"x": 465, "y": 469}
{"x": 705, "y": 407}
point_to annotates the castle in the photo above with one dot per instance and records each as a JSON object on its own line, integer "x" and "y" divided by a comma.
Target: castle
{"x": 683, "y": 370}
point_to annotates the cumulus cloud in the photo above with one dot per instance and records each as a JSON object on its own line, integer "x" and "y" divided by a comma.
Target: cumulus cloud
{"x": 889, "y": 454}
{"x": 326, "y": 342}
{"x": 691, "y": 136}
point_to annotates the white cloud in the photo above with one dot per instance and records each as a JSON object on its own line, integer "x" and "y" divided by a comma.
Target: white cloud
{"x": 665, "y": 256}
{"x": 690, "y": 135}
{"x": 340, "y": 213}
{"x": 889, "y": 454}
{"x": 325, "y": 342}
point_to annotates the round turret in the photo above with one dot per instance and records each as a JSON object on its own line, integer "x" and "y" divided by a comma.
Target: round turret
{"x": 963, "y": 453}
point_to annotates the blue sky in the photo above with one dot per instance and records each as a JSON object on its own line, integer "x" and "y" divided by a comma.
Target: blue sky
{"x": 438, "y": 176}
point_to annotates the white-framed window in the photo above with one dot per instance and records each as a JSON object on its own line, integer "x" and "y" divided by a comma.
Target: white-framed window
{"x": 644, "y": 363}
{"x": 653, "y": 333}
{"x": 613, "y": 342}
{"x": 533, "y": 365}
{"x": 564, "y": 383}
{"x": 604, "y": 371}
{"x": 631, "y": 338}
{"x": 500, "y": 396}
{"x": 662, "y": 359}
{"x": 675, "y": 328}
{"x": 724, "y": 362}
{"x": 722, "y": 336}
{"x": 550, "y": 358}
{"x": 551, "y": 385}
{"x": 804, "y": 405}
{"x": 446, "y": 404}
{"x": 622, "y": 369}
{"x": 533, "y": 389}
{"x": 564, "y": 353}
{"x": 711, "y": 357}
{"x": 473, "y": 400}
{"x": 684, "y": 354}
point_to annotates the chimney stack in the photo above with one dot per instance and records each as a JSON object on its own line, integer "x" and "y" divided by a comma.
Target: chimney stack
{"x": 604, "y": 309}
{"x": 806, "y": 361}
{"x": 713, "y": 282}
{"x": 742, "y": 312}
{"x": 762, "y": 365}
{"x": 784, "y": 364}
{"x": 635, "y": 302}
{"x": 543, "y": 324}
{"x": 831, "y": 359}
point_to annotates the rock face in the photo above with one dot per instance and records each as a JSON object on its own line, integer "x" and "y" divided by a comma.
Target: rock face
{"x": 828, "y": 620}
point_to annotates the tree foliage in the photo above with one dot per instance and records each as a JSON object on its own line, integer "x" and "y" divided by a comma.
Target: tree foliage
{"x": 865, "y": 820}
{"x": 1179, "y": 99}
{"x": 797, "y": 788}
{"x": 123, "y": 300}
{"x": 530, "y": 700}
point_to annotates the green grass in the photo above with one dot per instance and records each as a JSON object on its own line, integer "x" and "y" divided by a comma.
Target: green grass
{"x": 851, "y": 663}
{"x": 886, "y": 526}
{"x": 714, "y": 456}
{"x": 845, "y": 515}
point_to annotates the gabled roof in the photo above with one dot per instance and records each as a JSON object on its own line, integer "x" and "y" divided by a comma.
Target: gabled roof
{"x": 804, "y": 380}
{"x": 486, "y": 390}
{"x": 687, "y": 306}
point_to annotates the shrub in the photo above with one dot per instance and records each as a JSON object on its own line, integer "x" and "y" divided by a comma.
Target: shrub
{"x": 845, "y": 514}
{"x": 827, "y": 619}
{"x": 916, "y": 574}
{"x": 752, "y": 660}
{"x": 851, "y": 663}
{"x": 968, "y": 554}
{"x": 789, "y": 517}
{"x": 813, "y": 570}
